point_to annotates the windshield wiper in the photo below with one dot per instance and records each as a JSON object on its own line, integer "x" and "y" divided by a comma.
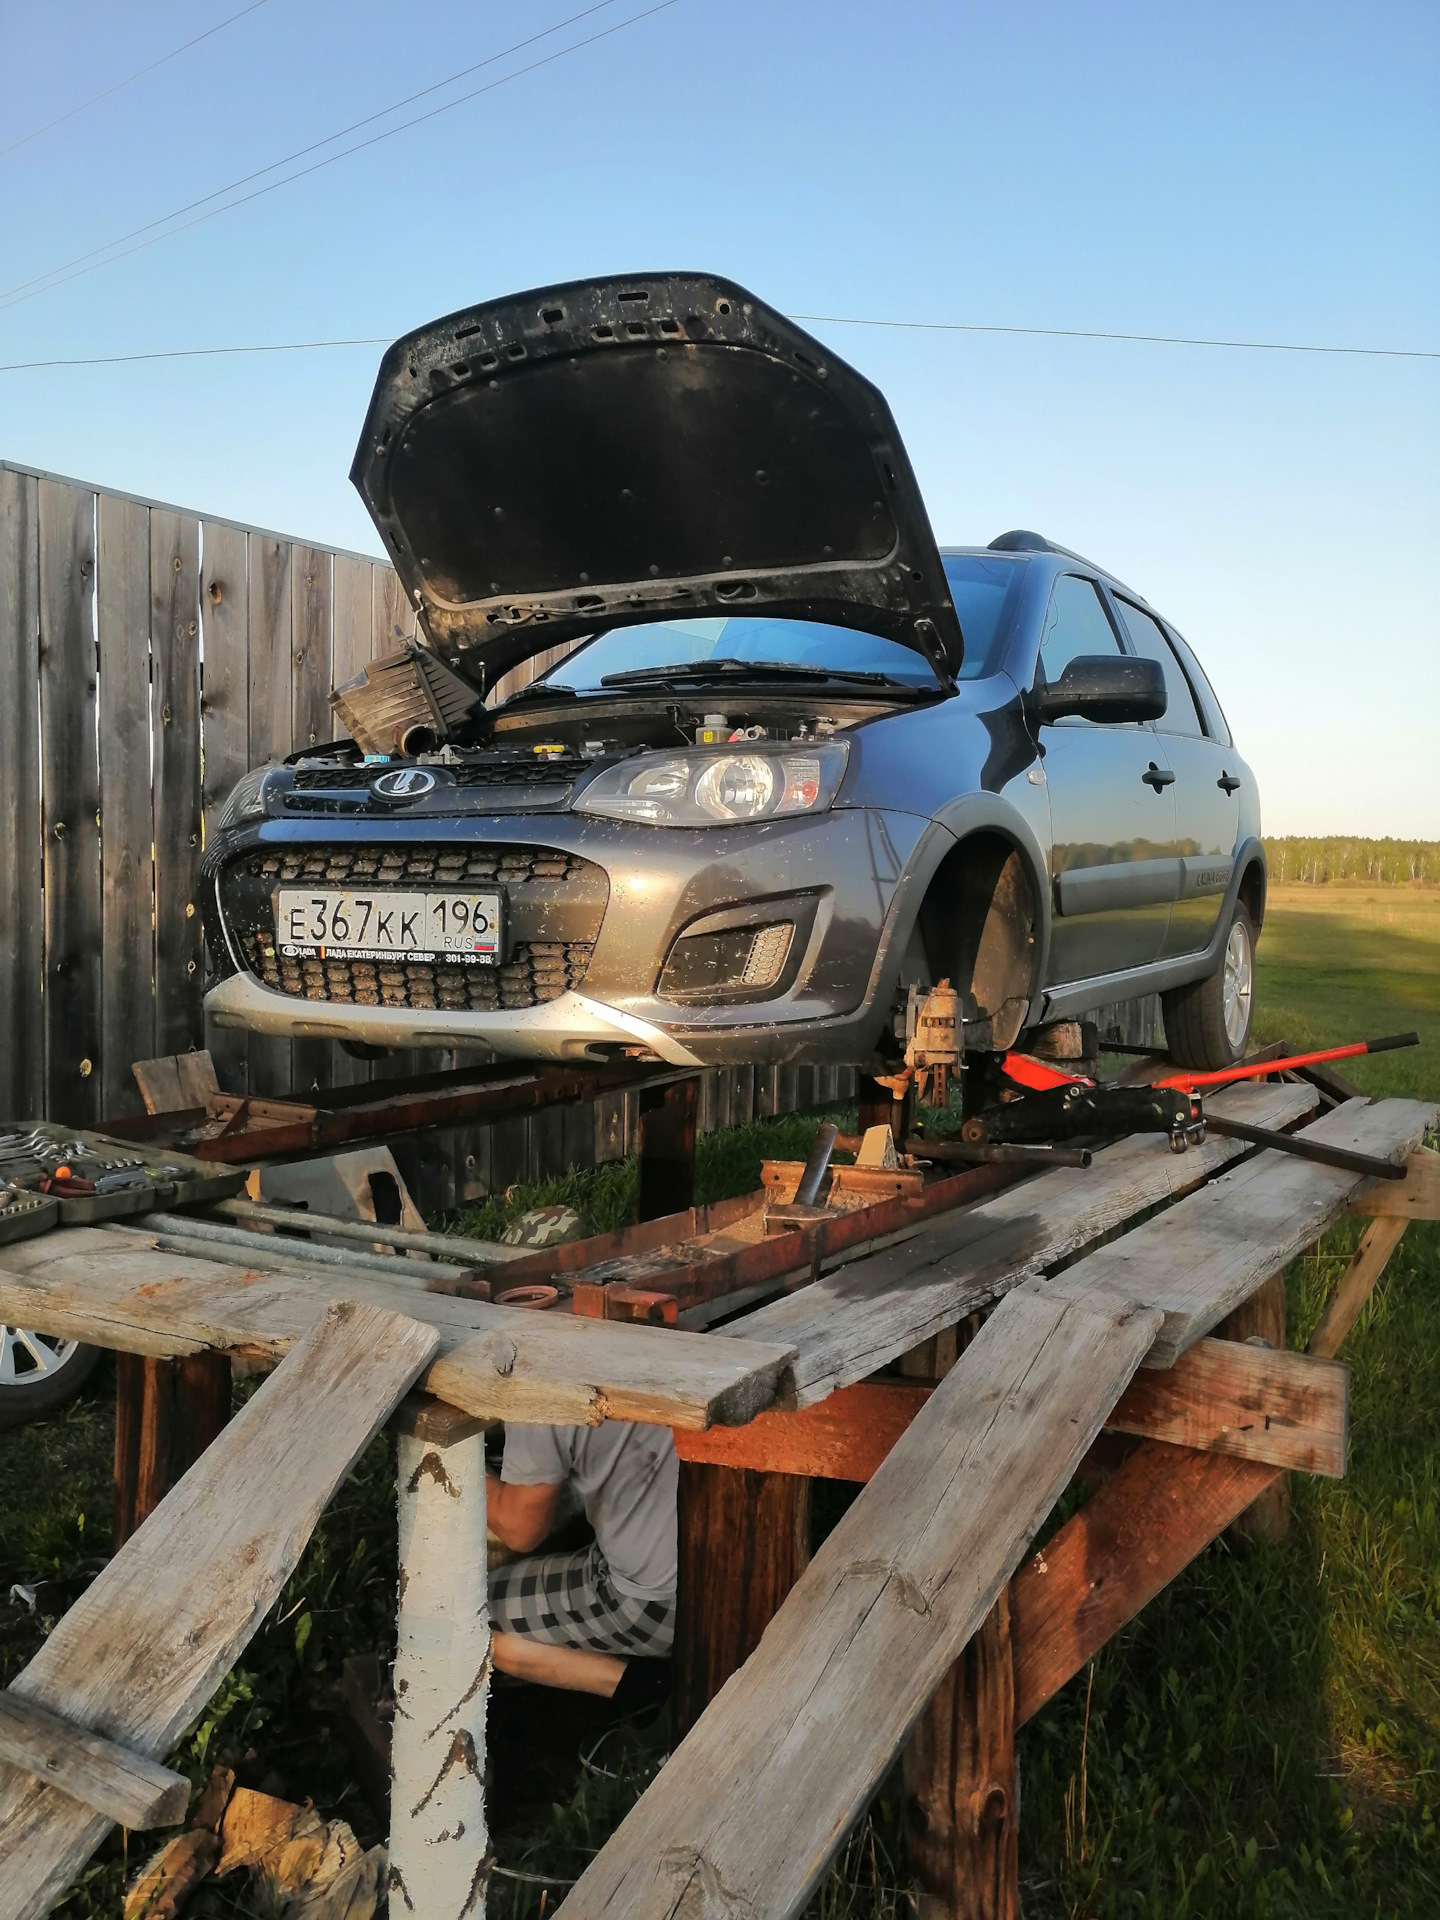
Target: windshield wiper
{"x": 729, "y": 669}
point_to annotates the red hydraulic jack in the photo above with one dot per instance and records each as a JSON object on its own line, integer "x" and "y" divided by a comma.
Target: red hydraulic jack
{"x": 1055, "y": 1105}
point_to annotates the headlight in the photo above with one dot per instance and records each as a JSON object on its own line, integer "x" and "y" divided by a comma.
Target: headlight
{"x": 700, "y": 789}
{"x": 247, "y": 800}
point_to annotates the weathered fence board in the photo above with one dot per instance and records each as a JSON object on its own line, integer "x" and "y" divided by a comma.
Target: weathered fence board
{"x": 122, "y": 631}
{"x": 22, "y": 934}
{"x": 225, "y": 720}
{"x": 71, "y": 790}
{"x": 175, "y": 733}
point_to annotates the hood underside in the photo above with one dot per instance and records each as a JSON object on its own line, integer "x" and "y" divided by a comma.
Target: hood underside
{"x": 547, "y": 465}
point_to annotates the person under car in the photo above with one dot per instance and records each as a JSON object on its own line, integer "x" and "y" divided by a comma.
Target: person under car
{"x": 599, "y": 1619}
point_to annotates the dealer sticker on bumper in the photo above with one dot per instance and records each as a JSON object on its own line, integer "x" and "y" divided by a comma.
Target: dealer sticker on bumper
{"x": 463, "y": 928}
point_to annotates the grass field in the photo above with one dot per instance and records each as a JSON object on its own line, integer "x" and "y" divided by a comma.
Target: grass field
{"x": 1264, "y": 1740}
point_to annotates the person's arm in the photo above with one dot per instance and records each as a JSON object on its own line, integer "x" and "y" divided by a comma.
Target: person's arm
{"x": 520, "y": 1516}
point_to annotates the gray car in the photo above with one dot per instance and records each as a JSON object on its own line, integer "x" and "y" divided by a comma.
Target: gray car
{"x": 791, "y": 760}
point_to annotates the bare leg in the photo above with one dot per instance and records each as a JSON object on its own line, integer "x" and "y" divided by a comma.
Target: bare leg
{"x": 576, "y": 1669}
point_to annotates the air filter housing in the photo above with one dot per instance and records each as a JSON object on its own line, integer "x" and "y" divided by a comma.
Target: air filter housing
{"x": 406, "y": 702}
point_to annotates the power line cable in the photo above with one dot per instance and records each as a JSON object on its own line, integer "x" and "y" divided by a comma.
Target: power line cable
{"x": 1091, "y": 333}
{"x": 89, "y": 261}
{"x": 929, "y": 326}
{"x": 130, "y": 79}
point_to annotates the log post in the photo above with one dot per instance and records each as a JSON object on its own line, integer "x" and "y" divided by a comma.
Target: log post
{"x": 439, "y": 1852}
{"x": 667, "y": 1148}
{"x": 962, "y": 1793}
{"x": 1262, "y": 1317}
{"x": 166, "y": 1414}
{"x": 744, "y": 1542}
{"x": 962, "y": 1790}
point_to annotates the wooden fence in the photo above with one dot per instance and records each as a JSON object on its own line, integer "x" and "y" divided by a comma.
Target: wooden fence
{"x": 148, "y": 657}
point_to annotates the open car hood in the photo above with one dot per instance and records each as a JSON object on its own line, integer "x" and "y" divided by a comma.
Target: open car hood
{"x": 543, "y": 466}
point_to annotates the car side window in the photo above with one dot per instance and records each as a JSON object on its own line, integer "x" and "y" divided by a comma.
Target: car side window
{"x": 1181, "y": 715}
{"x": 1216, "y": 725}
{"x": 1075, "y": 623}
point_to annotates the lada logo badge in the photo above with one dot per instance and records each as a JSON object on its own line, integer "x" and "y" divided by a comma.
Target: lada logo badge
{"x": 403, "y": 783}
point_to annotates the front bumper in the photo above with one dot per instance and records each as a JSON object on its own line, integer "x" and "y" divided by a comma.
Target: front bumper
{"x": 571, "y": 1027}
{"x": 855, "y": 876}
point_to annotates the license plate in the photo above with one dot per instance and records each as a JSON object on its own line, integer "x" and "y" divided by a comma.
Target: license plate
{"x": 369, "y": 925}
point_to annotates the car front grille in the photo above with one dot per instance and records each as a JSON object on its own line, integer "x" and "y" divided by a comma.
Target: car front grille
{"x": 555, "y": 903}
{"x": 533, "y": 974}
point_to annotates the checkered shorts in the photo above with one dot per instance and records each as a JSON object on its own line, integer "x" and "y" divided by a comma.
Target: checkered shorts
{"x": 567, "y": 1599}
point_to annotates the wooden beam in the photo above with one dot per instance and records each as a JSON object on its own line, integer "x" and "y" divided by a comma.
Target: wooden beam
{"x": 1197, "y": 1262}
{"x": 166, "y": 1414}
{"x": 1283, "y": 1408}
{"x": 747, "y": 1813}
{"x": 744, "y": 1542}
{"x": 1357, "y": 1283}
{"x": 1224, "y": 1396}
{"x": 117, "y": 1290}
{"x": 1259, "y": 1322}
{"x": 858, "y": 1319}
{"x": 962, "y": 1789}
{"x": 129, "y": 1788}
{"x": 667, "y": 1148}
{"x": 1146, "y": 1523}
{"x": 1416, "y": 1197}
{"x": 147, "y": 1643}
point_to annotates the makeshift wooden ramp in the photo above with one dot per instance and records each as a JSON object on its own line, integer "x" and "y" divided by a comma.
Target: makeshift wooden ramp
{"x": 745, "y": 1817}
{"x": 146, "y": 1645}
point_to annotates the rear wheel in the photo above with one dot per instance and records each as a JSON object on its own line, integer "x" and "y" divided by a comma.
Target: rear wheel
{"x": 1207, "y": 1024}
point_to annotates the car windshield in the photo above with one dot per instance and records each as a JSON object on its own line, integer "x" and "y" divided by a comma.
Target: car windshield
{"x": 984, "y": 591}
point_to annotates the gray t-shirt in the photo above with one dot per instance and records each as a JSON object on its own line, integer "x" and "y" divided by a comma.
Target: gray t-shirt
{"x": 628, "y": 1479}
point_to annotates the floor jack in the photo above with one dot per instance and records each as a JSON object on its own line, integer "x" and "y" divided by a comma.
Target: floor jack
{"x": 1020, "y": 1108}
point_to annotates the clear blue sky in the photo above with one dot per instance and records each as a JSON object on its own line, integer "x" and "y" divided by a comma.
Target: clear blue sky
{"x": 1267, "y": 172}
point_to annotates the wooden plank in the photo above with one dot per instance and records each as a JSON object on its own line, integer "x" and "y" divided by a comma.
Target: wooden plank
{"x": 1259, "y": 1321}
{"x": 114, "y": 1288}
{"x": 1199, "y": 1261}
{"x": 129, "y": 1788}
{"x": 352, "y": 593}
{"x": 127, "y": 935}
{"x": 843, "y": 1437}
{"x": 1146, "y": 1523}
{"x": 175, "y": 666}
{"x": 68, "y": 695}
{"x": 759, "y": 1796}
{"x": 270, "y": 739}
{"x": 393, "y": 618}
{"x": 311, "y": 722}
{"x": 855, "y": 1321}
{"x": 225, "y": 721}
{"x": 22, "y": 923}
{"x": 1416, "y": 1197}
{"x": 1357, "y": 1283}
{"x": 147, "y": 1643}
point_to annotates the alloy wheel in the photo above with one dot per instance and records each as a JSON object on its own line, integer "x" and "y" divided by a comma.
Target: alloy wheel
{"x": 1238, "y": 986}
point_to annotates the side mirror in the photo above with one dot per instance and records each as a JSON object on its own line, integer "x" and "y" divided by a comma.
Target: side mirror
{"x": 1108, "y": 688}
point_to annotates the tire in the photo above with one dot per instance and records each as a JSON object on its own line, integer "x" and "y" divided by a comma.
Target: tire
{"x": 1207, "y": 1024}
{"x": 39, "y": 1372}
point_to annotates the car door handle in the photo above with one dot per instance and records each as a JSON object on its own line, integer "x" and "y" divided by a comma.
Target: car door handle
{"x": 1227, "y": 783}
{"x": 1157, "y": 777}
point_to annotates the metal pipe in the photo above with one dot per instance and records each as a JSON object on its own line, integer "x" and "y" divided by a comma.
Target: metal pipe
{"x": 294, "y": 1262}
{"x": 997, "y": 1153}
{"x": 821, "y": 1148}
{"x": 1304, "y": 1149}
{"x": 213, "y": 1233}
{"x": 448, "y": 1246}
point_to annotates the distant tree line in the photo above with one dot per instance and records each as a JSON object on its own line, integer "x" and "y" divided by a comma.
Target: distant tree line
{"x": 1347, "y": 857}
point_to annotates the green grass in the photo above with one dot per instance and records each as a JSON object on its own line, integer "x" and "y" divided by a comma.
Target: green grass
{"x": 1263, "y": 1740}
